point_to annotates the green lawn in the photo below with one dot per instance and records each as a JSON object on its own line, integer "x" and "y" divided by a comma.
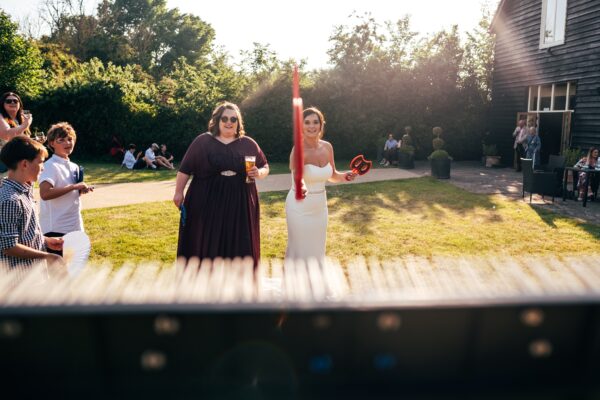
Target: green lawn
{"x": 423, "y": 217}
{"x": 97, "y": 173}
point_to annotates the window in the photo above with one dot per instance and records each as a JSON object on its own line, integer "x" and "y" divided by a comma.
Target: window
{"x": 554, "y": 18}
{"x": 552, "y": 97}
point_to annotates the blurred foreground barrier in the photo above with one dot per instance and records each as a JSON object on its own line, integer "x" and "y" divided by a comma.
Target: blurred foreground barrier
{"x": 406, "y": 328}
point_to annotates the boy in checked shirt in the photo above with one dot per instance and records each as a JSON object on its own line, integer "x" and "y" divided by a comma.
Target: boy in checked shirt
{"x": 22, "y": 244}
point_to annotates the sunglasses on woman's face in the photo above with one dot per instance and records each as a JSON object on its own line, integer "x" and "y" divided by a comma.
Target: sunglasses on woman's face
{"x": 225, "y": 119}
{"x": 11, "y": 101}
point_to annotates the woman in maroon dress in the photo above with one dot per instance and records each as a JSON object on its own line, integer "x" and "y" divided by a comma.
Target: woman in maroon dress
{"x": 220, "y": 211}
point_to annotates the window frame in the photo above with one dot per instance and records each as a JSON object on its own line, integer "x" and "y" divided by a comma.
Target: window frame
{"x": 535, "y": 91}
{"x": 543, "y": 43}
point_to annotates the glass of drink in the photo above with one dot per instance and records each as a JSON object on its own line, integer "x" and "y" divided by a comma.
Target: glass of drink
{"x": 40, "y": 136}
{"x": 250, "y": 162}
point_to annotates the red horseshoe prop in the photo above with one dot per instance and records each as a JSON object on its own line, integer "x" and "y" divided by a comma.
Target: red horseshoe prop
{"x": 360, "y": 165}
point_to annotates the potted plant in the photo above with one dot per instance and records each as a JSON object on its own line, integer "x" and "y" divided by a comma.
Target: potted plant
{"x": 572, "y": 156}
{"x": 440, "y": 160}
{"x": 490, "y": 154}
{"x": 406, "y": 152}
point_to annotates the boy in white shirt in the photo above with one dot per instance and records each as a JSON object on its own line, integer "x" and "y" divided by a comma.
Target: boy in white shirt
{"x": 130, "y": 161}
{"x": 60, "y": 186}
{"x": 150, "y": 157}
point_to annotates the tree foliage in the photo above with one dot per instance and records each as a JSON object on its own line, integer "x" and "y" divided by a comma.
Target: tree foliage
{"x": 143, "y": 32}
{"x": 20, "y": 61}
{"x": 146, "y": 73}
{"x": 383, "y": 79}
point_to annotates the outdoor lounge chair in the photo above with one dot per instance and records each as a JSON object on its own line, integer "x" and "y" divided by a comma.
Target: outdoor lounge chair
{"x": 556, "y": 164}
{"x": 539, "y": 182}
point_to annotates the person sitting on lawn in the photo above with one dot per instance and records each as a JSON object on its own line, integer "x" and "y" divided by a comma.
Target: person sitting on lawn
{"x": 116, "y": 149}
{"x": 130, "y": 161}
{"x": 154, "y": 162}
{"x": 22, "y": 244}
{"x": 166, "y": 154}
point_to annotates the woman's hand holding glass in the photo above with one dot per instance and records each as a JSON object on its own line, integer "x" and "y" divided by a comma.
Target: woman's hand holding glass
{"x": 251, "y": 169}
{"x": 27, "y": 118}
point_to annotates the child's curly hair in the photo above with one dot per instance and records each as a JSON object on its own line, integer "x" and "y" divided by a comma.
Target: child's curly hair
{"x": 60, "y": 130}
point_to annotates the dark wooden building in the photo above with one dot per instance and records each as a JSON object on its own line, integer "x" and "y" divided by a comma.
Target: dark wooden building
{"x": 547, "y": 66}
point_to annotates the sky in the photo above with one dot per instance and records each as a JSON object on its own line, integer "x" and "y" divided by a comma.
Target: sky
{"x": 299, "y": 30}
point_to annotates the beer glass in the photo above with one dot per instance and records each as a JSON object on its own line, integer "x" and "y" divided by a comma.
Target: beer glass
{"x": 250, "y": 161}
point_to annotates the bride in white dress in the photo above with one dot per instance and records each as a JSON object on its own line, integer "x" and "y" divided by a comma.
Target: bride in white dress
{"x": 307, "y": 218}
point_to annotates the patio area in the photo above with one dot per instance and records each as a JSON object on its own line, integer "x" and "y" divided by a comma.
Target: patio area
{"x": 472, "y": 176}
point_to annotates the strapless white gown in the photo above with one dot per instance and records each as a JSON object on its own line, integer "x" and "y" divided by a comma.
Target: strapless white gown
{"x": 307, "y": 218}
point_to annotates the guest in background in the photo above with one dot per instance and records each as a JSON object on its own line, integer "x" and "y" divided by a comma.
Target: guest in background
{"x": 130, "y": 161}
{"x": 165, "y": 155}
{"x": 533, "y": 145}
{"x": 590, "y": 161}
{"x": 152, "y": 161}
{"x": 520, "y": 137}
{"x": 390, "y": 150}
{"x": 14, "y": 121}
{"x": 116, "y": 149}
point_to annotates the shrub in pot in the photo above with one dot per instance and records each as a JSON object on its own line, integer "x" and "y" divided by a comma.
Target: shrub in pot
{"x": 440, "y": 160}
{"x": 490, "y": 154}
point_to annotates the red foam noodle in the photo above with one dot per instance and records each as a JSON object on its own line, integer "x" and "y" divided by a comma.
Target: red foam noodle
{"x": 298, "y": 160}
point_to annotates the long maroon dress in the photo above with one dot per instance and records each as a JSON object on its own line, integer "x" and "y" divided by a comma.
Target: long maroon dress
{"x": 222, "y": 210}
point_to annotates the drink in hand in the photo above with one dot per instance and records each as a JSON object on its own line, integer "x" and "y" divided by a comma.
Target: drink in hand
{"x": 250, "y": 162}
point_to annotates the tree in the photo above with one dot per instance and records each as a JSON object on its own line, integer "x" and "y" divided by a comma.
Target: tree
{"x": 354, "y": 46}
{"x": 400, "y": 42}
{"x": 479, "y": 57}
{"x": 20, "y": 61}
{"x": 260, "y": 62}
{"x": 145, "y": 32}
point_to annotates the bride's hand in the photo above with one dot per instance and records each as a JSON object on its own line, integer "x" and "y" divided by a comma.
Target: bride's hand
{"x": 350, "y": 176}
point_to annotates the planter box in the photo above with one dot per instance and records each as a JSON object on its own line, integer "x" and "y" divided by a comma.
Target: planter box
{"x": 406, "y": 160}
{"x": 492, "y": 161}
{"x": 441, "y": 168}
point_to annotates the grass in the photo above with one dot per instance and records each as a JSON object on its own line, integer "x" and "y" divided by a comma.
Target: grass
{"x": 423, "y": 217}
{"x": 99, "y": 173}
{"x": 103, "y": 173}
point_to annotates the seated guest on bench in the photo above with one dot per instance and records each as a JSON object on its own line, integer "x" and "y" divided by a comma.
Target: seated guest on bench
{"x": 590, "y": 161}
{"x": 390, "y": 150}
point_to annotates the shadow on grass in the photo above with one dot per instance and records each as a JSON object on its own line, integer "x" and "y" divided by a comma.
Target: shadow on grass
{"x": 429, "y": 197}
{"x": 550, "y": 218}
{"x": 426, "y": 196}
